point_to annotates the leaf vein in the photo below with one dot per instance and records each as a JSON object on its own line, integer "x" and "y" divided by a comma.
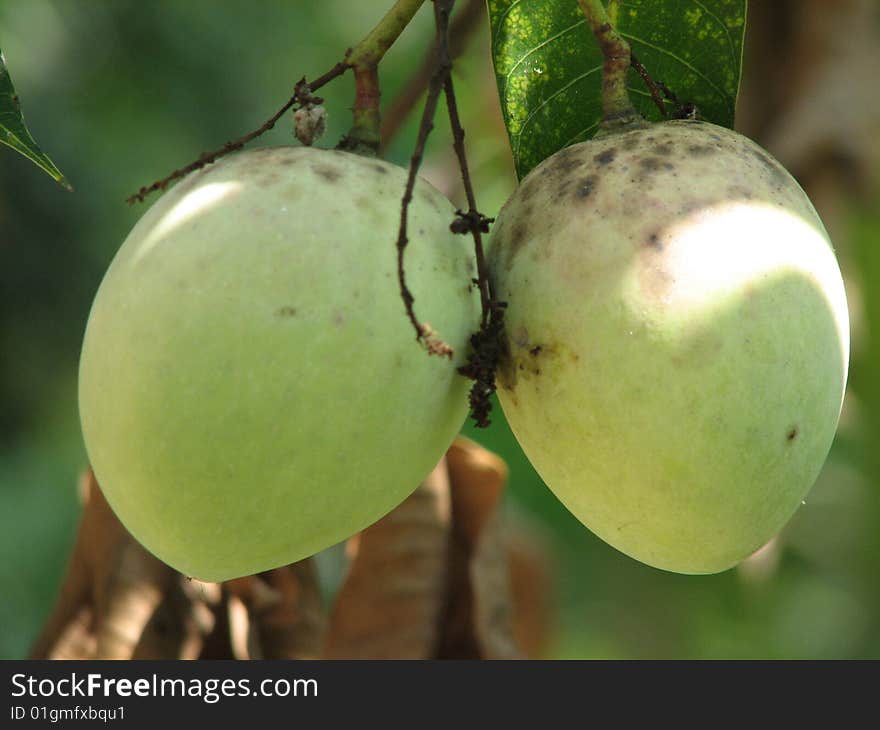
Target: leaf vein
{"x": 547, "y": 101}
{"x": 541, "y": 45}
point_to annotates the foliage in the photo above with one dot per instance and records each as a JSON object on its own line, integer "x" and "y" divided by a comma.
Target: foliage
{"x": 548, "y": 67}
{"x": 13, "y": 131}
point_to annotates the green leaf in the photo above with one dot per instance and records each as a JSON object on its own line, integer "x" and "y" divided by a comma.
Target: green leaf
{"x": 13, "y": 131}
{"x": 549, "y": 66}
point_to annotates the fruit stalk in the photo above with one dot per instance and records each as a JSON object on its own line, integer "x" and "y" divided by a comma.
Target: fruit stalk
{"x": 617, "y": 108}
{"x": 364, "y": 60}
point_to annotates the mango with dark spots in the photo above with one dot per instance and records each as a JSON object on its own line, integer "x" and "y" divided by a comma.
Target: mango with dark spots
{"x": 248, "y": 355}
{"x": 678, "y": 340}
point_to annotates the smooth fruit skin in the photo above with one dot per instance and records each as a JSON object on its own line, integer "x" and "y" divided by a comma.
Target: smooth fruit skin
{"x": 251, "y": 391}
{"x": 678, "y": 340}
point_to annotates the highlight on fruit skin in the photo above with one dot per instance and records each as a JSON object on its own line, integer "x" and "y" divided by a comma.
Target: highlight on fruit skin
{"x": 251, "y": 391}
{"x": 677, "y": 336}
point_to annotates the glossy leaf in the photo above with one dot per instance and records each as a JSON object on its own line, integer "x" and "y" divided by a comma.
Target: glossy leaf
{"x": 549, "y": 66}
{"x": 14, "y": 132}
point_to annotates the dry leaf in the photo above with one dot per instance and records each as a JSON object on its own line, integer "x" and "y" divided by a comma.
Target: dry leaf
{"x": 285, "y": 614}
{"x": 390, "y": 601}
{"x": 117, "y": 601}
{"x": 477, "y": 615}
{"x": 433, "y": 578}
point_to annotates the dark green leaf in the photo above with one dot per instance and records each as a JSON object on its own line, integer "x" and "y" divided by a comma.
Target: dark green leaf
{"x": 13, "y": 131}
{"x": 549, "y": 66}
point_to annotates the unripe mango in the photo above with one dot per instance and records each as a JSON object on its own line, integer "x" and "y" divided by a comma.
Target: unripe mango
{"x": 677, "y": 338}
{"x": 251, "y": 390}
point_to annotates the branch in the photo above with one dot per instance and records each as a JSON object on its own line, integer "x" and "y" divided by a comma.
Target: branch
{"x": 364, "y": 58}
{"x": 487, "y": 344}
{"x": 302, "y": 93}
{"x": 617, "y": 109}
{"x": 475, "y": 223}
{"x": 442, "y": 68}
{"x": 654, "y": 87}
{"x": 373, "y": 47}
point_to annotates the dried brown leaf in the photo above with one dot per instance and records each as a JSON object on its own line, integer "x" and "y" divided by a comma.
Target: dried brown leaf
{"x": 531, "y": 589}
{"x": 477, "y": 615}
{"x": 285, "y": 612}
{"x": 390, "y": 601}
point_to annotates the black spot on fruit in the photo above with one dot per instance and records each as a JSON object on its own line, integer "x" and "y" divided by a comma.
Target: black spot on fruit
{"x": 772, "y": 167}
{"x": 328, "y": 172}
{"x": 664, "y": 150}
{"x": 535, "y": 351}
{"x": 654, "y": 241}
{"x": 528, "y": 188}
{"x": 285, "y": 312}
{"x": 606, "y": 157}
{"x": 740, "y": 192}
{"x": 792, "y": 435}
{"x": 564, "y": 163}
{"x": 586, "y": 187}
{"x": 631, "y": 142}
{"x": 380, "y": 169}
{"x": 563, "y": 187}
{"x": 519, "y": 234}
{"x": 653, "y": 164}
{"x": 701, "y": 150}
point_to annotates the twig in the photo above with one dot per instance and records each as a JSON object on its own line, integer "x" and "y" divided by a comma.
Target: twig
{"x": 487, "y": 342}
{"x": 683, "y": 109}
{"x": 364, "y": 59}
{"x": 476, "y": 222}
{"x": 653, "y": 87}
{"x": 302, "y": 93}
{"x": 617, "y": 109}
{"x": 363, "y": 137}
{"x": 463, "y": 25}
{"x": 442, "y": 67}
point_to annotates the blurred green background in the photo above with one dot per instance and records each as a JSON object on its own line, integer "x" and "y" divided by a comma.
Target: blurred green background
{"x": 120, "y": 93}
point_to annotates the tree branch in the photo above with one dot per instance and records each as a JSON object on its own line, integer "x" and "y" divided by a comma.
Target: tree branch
{"x": 442, "y": 68}
{"x": 302, "y": 93}
{"x": 363, "y": 57}
{"x": 617, "y": 108}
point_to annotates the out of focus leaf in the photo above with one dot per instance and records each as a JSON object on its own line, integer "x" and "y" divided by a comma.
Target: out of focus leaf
{"x": 548, "y": 65}
{"x": 13, "y": 131}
